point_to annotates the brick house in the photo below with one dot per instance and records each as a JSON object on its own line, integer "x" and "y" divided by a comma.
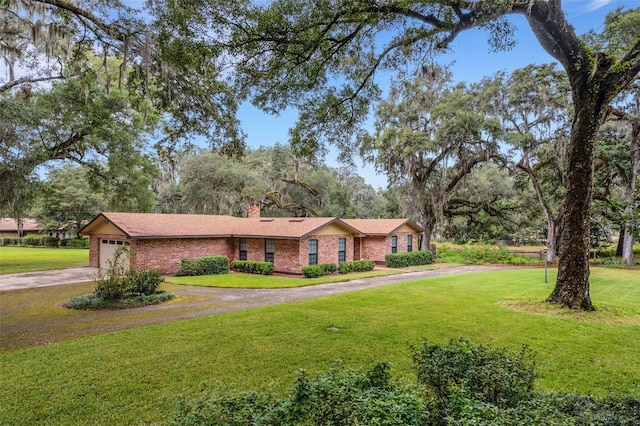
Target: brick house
{"x": 384, "y": 236}
{"x": 9, "y": 227}
{"x": 160, "y": 241}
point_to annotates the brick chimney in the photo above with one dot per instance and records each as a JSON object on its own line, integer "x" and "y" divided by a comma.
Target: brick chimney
{"x": 254, "y": 211}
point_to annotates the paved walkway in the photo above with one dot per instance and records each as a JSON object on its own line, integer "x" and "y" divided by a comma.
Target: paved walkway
{"x": 85, "y": 273}
{"x": 47, "y": 278}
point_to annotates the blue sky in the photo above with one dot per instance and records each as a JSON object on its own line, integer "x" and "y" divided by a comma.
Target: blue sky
{"x": 471, "y": 61}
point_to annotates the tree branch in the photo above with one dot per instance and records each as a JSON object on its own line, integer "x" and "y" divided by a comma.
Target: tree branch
{"x": 27, "y": 80}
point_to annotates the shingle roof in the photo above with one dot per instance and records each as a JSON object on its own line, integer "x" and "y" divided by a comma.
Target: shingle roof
{"x": 284, "y": 227}
{"x": 380, "y": 226}
{"x": 158, "y": 225}
{"x": 8, "y": 224}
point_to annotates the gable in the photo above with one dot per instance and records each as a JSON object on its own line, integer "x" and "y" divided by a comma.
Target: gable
{"x": 335, "y": 228}
{"x": 406, "y": 228}
{"x": 102, "y": 227}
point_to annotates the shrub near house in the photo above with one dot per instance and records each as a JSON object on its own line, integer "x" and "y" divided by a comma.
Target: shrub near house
{"x": 207, "y": 265}
{"x": 403, "y": 260}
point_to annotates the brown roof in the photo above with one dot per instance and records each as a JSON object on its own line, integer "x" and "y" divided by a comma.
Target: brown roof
{"x": 8, "y": 224}
{"x": 380, "y": 226}
{"x": 159, "y": 225}
{"x": 286, "y": 227}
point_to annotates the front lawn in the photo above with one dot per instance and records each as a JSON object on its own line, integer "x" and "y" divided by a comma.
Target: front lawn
{"x": 136, "y": 376}
{"x": 240, "y": 280}
{"x": 28, "y": 259}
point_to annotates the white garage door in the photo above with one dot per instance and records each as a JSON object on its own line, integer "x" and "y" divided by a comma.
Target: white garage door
{"x": 108, "y": 250}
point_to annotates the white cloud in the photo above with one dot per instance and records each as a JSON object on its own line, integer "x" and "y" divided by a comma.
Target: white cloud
{"x": 592, "y": 5}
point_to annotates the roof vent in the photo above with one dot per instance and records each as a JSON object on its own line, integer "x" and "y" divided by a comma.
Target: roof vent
{"x": 296, "y": 220}
{"x": 266, "y": 220}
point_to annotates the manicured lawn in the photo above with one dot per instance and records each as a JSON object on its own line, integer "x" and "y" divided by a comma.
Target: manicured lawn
{"x": 27, "y": 259}
{"x": 240, "y": 280}
{"x": 135, "y": 376}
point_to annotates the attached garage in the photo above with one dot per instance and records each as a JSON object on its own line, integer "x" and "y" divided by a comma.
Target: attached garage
{"x": 108, "y": 249}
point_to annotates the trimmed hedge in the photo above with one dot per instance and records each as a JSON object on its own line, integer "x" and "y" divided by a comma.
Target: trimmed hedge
{"x": 50, "y": 241}
{"x": 314, "y": 271}
{"x": 402, "y": 260}
{"x": 8, "y": 241}
{"x": 207, "y": 265}
{"x": 75, "y": 243}
{"x": 356, "y": 266}
{"x": 251, "y": 267}
{"x": 31, "y": 240}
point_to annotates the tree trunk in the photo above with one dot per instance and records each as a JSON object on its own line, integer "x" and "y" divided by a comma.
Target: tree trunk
{"x": 629, "y": 191}
{"x": 572, "y": 285}
{"x": 620, "y": 241}
{"x": 429, "y": 222}
{"x": 552, "y": 238}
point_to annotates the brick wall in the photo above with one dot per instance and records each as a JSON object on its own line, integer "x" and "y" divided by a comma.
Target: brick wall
{"x": 376, "y": 247}
{"x": 327, "y": 248}
{"x": 289, "y": 255}
{"x": 165, "y": 254}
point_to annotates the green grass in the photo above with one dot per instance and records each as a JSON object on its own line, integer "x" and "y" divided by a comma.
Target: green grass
{"x": 240, "y": 280}
{"x": 135, "y": 376}
{"x": 27, "y": 259}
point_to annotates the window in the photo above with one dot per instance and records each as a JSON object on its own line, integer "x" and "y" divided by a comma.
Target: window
{"x": 269, "y": 250}
{"x": 394, "y": 244}
{"x": 342, "y": 250}
{"x": 313, "y": 252}
{"x": 243, "y": 249}
{"x": 409, "y": 242}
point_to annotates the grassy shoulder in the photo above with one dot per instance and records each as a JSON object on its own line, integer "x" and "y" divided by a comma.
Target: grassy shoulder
{"x": 136, "y": 376}
{"x": 27, "y": 259}
{"x": 242, "y": 280}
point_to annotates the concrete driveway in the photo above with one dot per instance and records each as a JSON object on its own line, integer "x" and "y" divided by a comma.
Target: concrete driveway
{"x": 47, "y": 278}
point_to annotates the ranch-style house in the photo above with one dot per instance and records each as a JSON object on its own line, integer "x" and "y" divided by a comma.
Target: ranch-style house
{"x": 160, "y": 241}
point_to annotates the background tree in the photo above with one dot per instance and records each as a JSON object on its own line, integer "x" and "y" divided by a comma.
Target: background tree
{"x": 532, "y": 104}
{"x": 214, "y": 184}
{"x": 483, "y": 206}
{"x": 66, "y": 201}
{"x": 426, "y": 149}
{"x": 616, "y": 195}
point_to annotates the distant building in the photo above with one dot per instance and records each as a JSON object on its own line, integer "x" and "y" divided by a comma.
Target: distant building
{"x": 9, "y": 227}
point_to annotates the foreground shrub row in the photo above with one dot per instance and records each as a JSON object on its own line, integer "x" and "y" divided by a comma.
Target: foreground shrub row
{"x": 458, "y": 383}
{"x": 207, "y": 265}
{"x": 314, "y": 271}
{"x": 46, "y": 241}
{"x": 402, "y": 260}
{"x": 250, "y": 267}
